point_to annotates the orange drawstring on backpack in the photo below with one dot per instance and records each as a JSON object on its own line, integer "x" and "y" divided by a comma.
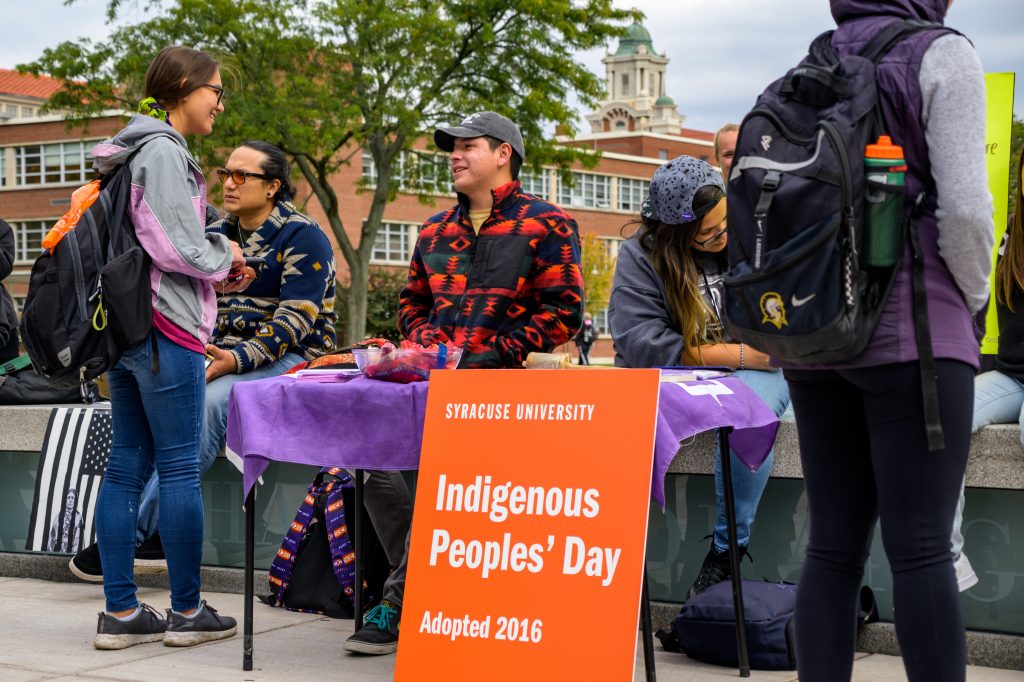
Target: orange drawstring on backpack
{"x": 81, "y": 199}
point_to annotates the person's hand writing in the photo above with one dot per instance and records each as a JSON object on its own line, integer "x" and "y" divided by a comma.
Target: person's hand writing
{"x": 223, "y": 362}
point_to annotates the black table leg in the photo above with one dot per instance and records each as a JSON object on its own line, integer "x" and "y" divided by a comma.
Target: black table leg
{"x": 250, "y": 520}
{"x": 646, "y": 629}
{"x": 357, "y": 547}
{"x": 734, "y": 555}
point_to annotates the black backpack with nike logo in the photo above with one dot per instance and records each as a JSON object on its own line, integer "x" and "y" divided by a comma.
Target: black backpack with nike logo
{"x": 796, "y": 287}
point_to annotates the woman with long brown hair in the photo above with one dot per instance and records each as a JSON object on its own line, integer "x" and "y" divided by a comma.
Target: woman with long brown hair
{"x": 157, "y": 388}
{"x": 665, "y": 309}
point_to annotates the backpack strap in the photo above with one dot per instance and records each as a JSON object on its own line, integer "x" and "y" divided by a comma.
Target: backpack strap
{"x": 338, "y": 539}
{"x": 284, "y": 561}
{"x": 923, "y": 332}
{"x": 875, "y": 50}
{"x": 891, "y": 35}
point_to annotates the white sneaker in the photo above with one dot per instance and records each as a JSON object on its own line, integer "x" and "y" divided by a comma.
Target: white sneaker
{"x": 966, "y": 578}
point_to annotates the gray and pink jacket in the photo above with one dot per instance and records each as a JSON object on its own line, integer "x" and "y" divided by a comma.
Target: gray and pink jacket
{"x": 168, "y": 206}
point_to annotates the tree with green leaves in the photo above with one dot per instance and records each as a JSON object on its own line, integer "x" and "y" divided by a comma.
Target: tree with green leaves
{"x": 329, "y": 80}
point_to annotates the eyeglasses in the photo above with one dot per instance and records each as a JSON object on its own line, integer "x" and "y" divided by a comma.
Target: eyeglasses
{"x": 219, "y": 89}
{"x": 238, "y": 176}
{"x": 705, "y": 243}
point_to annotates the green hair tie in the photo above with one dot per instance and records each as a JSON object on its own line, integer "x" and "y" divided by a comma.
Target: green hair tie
{"x": 150, "y": 107}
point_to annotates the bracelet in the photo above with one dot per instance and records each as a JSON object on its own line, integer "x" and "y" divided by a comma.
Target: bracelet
{"x": 742, "y": 364}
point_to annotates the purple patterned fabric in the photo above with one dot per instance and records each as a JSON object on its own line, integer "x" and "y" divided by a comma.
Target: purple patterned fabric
{"x": 364, "y": 424}
{"x": 342, "y": 555}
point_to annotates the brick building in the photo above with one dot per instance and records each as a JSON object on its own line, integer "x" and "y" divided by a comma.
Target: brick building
{"x": 636, "y": 128}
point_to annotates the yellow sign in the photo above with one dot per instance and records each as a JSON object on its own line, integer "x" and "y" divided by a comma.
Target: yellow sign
{"x": 999, "y": 92}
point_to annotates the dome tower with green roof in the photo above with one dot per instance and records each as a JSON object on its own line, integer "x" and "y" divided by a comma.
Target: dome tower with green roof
{"x": 635, "y": 88}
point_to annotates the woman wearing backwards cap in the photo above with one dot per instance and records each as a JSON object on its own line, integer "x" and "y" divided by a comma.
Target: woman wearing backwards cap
{"x": 665, "y": 309}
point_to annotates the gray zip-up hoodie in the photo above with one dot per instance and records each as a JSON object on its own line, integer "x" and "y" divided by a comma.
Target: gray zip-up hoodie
{"x": 168, "y": 206}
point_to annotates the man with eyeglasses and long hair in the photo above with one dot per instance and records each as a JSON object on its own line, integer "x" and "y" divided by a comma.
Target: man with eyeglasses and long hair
{"x": 266, "y": 322}
{"x": 665, "y": 309}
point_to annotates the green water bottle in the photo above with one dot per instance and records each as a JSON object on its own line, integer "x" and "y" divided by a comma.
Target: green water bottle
{"x": 883, "y": 238}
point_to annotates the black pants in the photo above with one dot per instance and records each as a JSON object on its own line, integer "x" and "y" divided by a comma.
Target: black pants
{"x": 865, "y": 456}
{"x": 584, "y": 350}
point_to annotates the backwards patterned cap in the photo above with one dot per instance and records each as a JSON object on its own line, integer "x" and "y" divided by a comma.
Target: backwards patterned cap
{"x": 670, "y": 197}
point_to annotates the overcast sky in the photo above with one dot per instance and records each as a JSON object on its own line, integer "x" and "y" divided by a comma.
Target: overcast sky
{"x": 723, "y": 52}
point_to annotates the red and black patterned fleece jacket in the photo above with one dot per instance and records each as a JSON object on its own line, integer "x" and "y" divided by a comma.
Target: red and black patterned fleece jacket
{"x": 514, "y": 289}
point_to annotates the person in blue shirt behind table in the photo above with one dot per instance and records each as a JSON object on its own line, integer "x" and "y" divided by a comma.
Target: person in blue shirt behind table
{"x": 665, "y": 309}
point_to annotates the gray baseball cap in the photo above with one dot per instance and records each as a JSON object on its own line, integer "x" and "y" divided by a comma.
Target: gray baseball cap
{"x": 673, "y": 186}
{"x": 479, "y": 124}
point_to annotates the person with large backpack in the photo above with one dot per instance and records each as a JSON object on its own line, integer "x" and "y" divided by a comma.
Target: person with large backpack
{"x": 879, "y": 355}
{"x": 665, "y": 309}
{"x": 281, "y": 318}
{"x": 157, "y": 386}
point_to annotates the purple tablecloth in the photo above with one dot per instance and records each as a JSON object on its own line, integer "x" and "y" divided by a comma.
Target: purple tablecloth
{"x": 364, "y": 424}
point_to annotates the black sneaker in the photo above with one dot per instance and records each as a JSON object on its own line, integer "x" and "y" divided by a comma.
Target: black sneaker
{"x": 145, "y": 626}
{"x": 715, "y": 569}
{"x": 379, "y": 634}
{"x": 149, "y": 556}
{"x": 86, "y": 564}
{"x": 205, "y": 625}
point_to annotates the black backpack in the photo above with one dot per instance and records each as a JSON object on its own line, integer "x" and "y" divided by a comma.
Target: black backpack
{"x": 796, "y": 288}
{"x": 313, "y": 570}
{"x": 89, "y": 299}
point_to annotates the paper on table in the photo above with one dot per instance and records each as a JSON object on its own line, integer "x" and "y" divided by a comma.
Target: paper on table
{"x": 692, "y": 375}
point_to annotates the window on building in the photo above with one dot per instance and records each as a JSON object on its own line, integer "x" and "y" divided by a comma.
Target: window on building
{"x": 419, "y": 172}
{"x": 663, "y": 154}
{"x": 56, "y": 163}
{"x": 535, "y": 182}
{"x": 12, "y": 109}
{"x": 632, "y": 193}
{"x": 589, "y": 190}
{"x": 601, "y": 322}
{"x": 393, "y": 245}
{"x": 28, "y": 237}
{"x": 611, "y": 246}
{"x": 26, "y": 112}
{"x": 625, "y": 85}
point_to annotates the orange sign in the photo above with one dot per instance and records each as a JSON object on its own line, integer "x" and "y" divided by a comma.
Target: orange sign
{"x": 530, "y": 523}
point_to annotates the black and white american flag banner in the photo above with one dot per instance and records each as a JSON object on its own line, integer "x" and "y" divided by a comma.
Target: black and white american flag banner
{"x": 75, "y": 453}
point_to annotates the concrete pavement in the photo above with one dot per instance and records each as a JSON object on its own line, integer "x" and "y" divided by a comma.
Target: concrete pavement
{"x": 47, "y": 628}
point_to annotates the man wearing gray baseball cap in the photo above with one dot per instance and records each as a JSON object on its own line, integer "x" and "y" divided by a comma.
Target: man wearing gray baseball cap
{"x": 497, "y": 275}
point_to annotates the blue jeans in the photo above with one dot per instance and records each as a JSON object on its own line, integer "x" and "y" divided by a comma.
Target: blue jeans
{"x": 998, "y": 399}
{"x": 747, "y": 485}
{"x": 157, "y": 423}
{"x": 215, "y": 426}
